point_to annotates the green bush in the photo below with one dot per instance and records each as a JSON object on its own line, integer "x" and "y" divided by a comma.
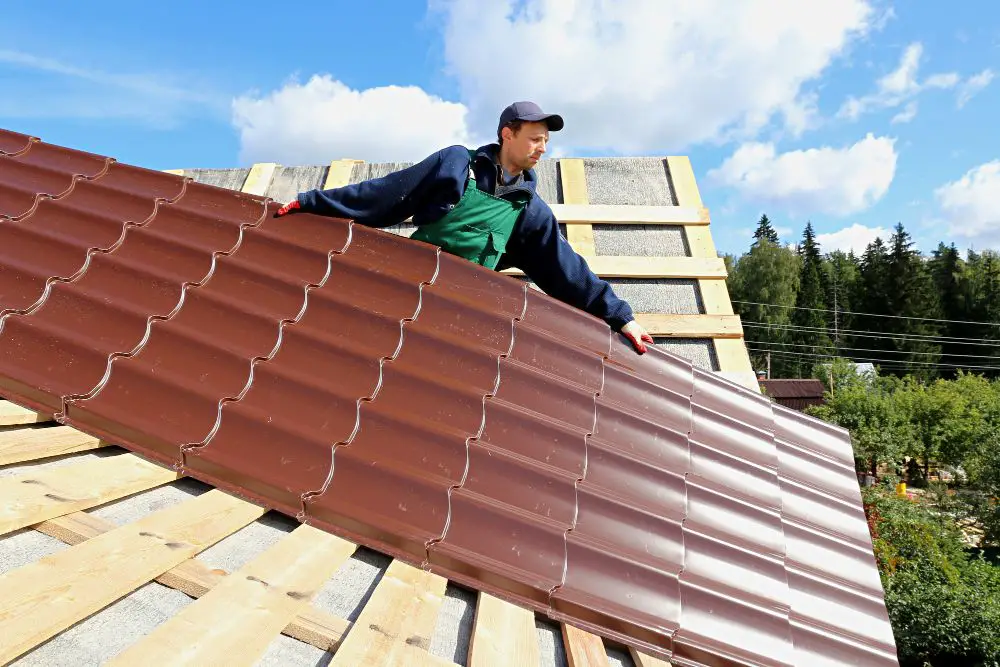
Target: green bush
{"x": 944, "y": 605}
{"x": 939, "y": 620}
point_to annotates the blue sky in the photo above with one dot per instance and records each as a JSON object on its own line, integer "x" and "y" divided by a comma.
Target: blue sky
{"x": 855, "y": 115}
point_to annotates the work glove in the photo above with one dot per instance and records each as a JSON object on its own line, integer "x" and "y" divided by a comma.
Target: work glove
{"x": 288, "y": 208}
{"x": 635, "y": 333}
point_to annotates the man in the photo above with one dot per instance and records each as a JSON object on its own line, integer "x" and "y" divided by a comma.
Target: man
{"x": 481, "y": 205}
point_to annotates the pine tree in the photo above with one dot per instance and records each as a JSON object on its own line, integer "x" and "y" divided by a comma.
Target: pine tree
{"x": 870, "y": 299}
{"x": 980, "y": 288}
{"x": 911, "y": 294}
{"x": 947, "y": 271}
{"x": 765, "y": 230}
{"x": 810, "y": 317}
{"x": 841, "y": 270}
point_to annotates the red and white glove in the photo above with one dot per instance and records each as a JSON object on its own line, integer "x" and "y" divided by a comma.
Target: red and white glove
{"x": 288, "y": 208}
{"x": 635, "y": 333}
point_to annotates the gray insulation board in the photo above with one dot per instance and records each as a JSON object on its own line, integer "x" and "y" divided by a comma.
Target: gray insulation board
{"x": 364, "y": 171}
{"x": 232, "y": 179}
{"x": 628, "y": 181}
{"x": 549, "y": 186}
{"x": 640, "y": 241}
{"x": 698, "y": 351}
{"x": 290, "y": 181}
{"x": 659, "y": 296}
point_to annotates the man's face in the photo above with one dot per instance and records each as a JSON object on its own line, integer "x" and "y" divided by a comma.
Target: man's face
{"x": 526, "y": 147}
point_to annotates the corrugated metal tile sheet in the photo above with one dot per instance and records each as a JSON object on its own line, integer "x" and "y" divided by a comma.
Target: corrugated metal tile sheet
{"x": 439, "y": 412}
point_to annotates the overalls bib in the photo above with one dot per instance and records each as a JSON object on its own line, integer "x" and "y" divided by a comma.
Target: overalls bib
{"x": 478, "y": 228}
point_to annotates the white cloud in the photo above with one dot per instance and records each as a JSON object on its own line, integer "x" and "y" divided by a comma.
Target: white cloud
{"x": 856, "y": 238}
{"x": 901, "y": 86}
{"x": 973, "y": 85}
{"x": 907, "y": 114}
{"x": 641, "y": 76}
{"x": 969, "y": 205}
{"x": 837, "y": 181}
{"x": 324, "y": 119}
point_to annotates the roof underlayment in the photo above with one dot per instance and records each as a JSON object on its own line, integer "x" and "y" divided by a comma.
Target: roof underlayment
{"x": 429, "y": 410}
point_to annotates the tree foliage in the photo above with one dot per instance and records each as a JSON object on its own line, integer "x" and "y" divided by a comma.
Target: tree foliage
{"x": 908, "y": 314}
{"x": 943, "y": 604}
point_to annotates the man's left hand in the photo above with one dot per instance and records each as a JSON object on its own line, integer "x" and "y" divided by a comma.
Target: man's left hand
{"x": 635, "y": 333}
{"x": 288, "y": 208}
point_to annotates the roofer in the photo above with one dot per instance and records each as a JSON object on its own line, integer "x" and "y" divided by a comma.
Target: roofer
{"x": 498, "y": 222}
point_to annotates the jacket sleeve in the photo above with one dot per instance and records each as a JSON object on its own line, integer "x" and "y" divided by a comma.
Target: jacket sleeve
{"x": 391, "y": 199}
{"x": 551, "y": 263}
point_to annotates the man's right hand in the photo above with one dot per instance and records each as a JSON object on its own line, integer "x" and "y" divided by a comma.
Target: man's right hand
{"x": 288, "y": 208}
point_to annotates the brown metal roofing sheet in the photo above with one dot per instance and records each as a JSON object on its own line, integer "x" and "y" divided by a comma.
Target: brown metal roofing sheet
{"x": 12, "y": 143}
{"x": 442, "y": 413}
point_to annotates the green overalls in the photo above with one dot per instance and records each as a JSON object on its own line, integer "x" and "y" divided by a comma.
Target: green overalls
{"x": 479, "y": 226}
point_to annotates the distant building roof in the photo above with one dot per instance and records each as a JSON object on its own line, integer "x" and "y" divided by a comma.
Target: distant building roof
{"x": 798, "y": 393}
{"x": 795, "y": 388}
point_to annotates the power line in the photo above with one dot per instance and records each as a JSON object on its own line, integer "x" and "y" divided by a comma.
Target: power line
{"x": 861, "y": 332}
{"x": 850, "y": 312}
{"x": 875, "y": 360}
{"x": 868, "y": 349}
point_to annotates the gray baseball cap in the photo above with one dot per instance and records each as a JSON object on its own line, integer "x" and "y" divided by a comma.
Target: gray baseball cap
{"x": 531, "y": 112}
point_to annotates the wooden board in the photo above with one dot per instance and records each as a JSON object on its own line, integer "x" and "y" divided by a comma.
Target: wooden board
{"x": 396, "y": 625}
{"x": 15, "y": 415}
{"x": 584, "y": 649}
{"x": 259, "y": 178}
{"x": 235, "y": 622}
{"x": 503, "y": 635}
{"x": 675, "y": 268}
{"x": 339, "y": 173}
{"x": 622, "y": 214}
{"x": 43, "y": 598}
{"x": 574, "y": 188}
{"x": 730, "y": 351}
{"x": 312, "y": 626}
{"x": 35, "y": 496}
{"x": 691, "y": 326}
{"x": 28, "y": 444}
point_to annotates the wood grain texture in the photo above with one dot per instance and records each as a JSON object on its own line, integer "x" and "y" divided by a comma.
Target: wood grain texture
{"x": 626, "y": 214}
{"x": 643, "y": 660}
{"x": 700, "y": 243}
{"x": 14, "y": 415}
{"x": 31, "y": 444}
{"x": 574, "y": 188}
{"x": 37, "y": 495}
{"x": 396, "y": 624}
{"x": 192, "y": 577}
{"x": 235, "y": 622}
{"x": 715, "y": 296}
{"x": 691, "y": 326}
{"x": 339, "y": 173}
{"x": 503, "y": 634}
{"x": 40, "y": 600}
{"x": 259, "y": 178}
{"x": 680, "y": 268}
{"x": 684, "y": 183}
{"x": 584, "y": 649}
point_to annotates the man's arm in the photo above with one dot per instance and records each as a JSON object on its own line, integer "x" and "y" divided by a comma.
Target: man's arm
{"x": 551, "y": 263}
{"x": 391, "y": 199}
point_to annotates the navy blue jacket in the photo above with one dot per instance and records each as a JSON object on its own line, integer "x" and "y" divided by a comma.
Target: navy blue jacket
{"x": 429, "y": 189}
